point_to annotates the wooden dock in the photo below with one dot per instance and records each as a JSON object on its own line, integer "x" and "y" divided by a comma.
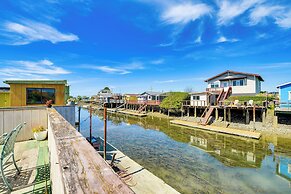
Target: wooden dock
{"x": 237, "y": 132}
{"x": 128, "y": 112}
{"x": 139, "y": 179}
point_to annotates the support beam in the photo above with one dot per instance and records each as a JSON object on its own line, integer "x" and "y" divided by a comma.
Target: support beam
{"x": 216, "y": 114}
{"x": 247, "y": 116}
{"x": 254, "y": 114}
{"x": 229, "y": 115}
{"x": 224, "y": 114}
{"x": 195, "y": 111}
{"x": 188, "y": 112}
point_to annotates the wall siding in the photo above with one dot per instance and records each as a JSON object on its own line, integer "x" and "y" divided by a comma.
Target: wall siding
{"x": 4, "y": 99}
{"x": 284, "y": 95}
{"x": 18, "y": 93}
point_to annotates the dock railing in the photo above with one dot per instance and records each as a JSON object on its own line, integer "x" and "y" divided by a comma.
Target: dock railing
{"x": 285, "y": 106}
{"x": 148, "y": 102}
{"x": 76, "y": 167}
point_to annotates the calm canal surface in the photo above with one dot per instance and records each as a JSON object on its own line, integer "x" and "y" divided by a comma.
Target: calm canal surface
{"x": 195, "y": 161}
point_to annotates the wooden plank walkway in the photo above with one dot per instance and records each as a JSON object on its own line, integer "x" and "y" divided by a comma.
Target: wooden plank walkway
{"x": 237, "y": 132}
{"x": 139, "y": 179}
{"x": 128, "y": 112}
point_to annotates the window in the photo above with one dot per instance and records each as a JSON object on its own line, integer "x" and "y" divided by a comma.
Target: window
{"x": 224, "y": 84}
{"x": 39, "y": 95}
{"x": 215, "y": 85}
{"x": 196, "y": 97}
{"x": 238, "y": 82}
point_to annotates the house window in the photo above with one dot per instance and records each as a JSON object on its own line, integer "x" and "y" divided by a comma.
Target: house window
{"x": 215, "y": 85}
{"x": 40, "y": 95}
{"x": 196, "y": 97}
{"x": 224, "y": 84}
{"x": 289, "y": 95}
{"x": 238, "y": 82}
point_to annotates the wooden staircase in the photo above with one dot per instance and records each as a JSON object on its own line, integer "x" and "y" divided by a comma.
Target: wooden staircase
{"x": 141, "y": 108}
{"x": 123, "y": 105}
{"x": 206, "y": 119}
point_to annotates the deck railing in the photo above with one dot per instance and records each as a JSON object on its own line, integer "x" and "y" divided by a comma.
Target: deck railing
{"x": 201, "y": 103}
{"x": 284, "y": 106}
{"x": 148, "y": 102}
{"x": 214, "y": 89}
{"x": 76, "y": 167}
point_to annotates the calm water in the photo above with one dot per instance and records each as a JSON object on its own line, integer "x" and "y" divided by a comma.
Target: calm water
{"x": 195, "y": 161}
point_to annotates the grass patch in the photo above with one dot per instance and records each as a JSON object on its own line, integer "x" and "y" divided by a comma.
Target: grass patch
{"x": 174, "y": 100}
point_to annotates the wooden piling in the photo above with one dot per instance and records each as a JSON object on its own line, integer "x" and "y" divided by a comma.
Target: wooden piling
{"x": 195, "y": 111}
{"x": 216, "y": 114}
{"x": 229, "y": 115}
{"x": 247, "y": 116}
{"x": 224, "y": 114}
{"x": 105, "y": 130}
{"x": 254, "y": 114}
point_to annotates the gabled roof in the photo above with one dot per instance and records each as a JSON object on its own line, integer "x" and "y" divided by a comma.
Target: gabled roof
{"x": 54, "y": 82}
{"x": 235, "y": 72}
{"x": 152, "y": 93}
{"x": 285, "y": 84}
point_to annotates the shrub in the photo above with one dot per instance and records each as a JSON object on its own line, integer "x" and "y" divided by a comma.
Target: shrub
{"x": 174, "y": 100}
{"x": 38, "y": 129}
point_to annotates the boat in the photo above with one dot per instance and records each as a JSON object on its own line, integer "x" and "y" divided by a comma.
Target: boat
{"x": 98, "y": 144}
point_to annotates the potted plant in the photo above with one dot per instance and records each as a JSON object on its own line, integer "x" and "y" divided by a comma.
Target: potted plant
{"x": 40, "y": 133}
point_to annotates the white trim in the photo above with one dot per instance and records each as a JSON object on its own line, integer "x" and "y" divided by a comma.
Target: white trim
{"x": 284, "y": 84}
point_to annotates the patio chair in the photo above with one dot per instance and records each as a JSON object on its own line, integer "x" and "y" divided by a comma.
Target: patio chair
{"x": 7, "y": 152}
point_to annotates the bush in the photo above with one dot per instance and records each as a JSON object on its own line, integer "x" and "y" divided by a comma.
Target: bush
{"x": 258, "y": 100}
{"x": 174, "y": 100}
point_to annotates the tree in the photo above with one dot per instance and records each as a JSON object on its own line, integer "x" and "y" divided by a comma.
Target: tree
{"x": 174, "y": 100}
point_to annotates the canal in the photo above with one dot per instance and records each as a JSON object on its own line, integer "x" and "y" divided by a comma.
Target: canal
{"x": 196, "y": 161}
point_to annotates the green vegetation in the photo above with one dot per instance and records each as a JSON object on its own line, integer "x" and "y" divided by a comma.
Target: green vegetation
{"x": 258, "y": 100}
{"x": 174, "y": 100}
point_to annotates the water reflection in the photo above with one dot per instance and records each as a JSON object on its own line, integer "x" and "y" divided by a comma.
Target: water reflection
{"x": 196, "y": 161}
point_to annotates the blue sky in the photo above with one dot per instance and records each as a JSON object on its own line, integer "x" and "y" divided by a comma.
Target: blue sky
{"x": 137, "y": 45}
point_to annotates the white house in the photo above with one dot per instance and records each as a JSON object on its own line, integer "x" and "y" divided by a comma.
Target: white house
{"x": 151, "y": 96}
{"x": 243, "y": 84}
{"x": 199, "y": 99}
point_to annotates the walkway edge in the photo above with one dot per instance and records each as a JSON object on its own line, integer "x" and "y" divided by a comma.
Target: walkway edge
{"x": 230, "y": 131}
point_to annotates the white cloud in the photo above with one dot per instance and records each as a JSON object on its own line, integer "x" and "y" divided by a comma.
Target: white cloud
{"x": 157, "y": 62}
{"x": 27, "y": 31}
{"x": 184, "y": 13}
{"x": 121, "y": 69}
{"x": 228, "y": 10}
{"x": 108, "y": 69}
{"x": 222, "y": 39}
{"x": 198, "y": 40}
{"x": 31, "y": 69}
{"x": 261, "y": 12}
{"x": 284, "y": 21}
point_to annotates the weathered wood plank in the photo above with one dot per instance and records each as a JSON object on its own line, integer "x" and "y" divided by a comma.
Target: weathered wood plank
{"x": 81, "y": 168}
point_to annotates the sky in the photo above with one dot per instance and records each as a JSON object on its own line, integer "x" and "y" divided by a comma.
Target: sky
{"x": 134, "y": 46}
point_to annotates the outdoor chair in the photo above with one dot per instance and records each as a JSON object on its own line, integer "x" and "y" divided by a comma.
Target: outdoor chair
{"x": 7, "y": 152}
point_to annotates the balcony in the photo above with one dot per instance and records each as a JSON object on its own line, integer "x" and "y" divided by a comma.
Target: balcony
{"x": 65, "y": 163}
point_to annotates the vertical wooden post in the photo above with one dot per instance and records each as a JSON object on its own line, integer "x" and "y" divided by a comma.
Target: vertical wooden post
{"x": 264, "y": 116}
{"x": 195, "y": 111}
{"x": 229, "y": 115}
{"x": 224, "y": 114}
{"x": 79, "y": 118}
{"x": 188, "y": 112}
{"x": 90, "y": 124}
{"x": 254, "y": 114}
{"x": 168, "y": 113}
{"x": 216, "y": 114}
{"x": 247, "y": 117}
{"x": 105, "y": 130}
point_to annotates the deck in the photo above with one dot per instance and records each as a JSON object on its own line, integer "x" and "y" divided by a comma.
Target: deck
{"x": 32, "y": 159}
{"x": 237, "y": 132}
{"x": 128, "y": 112}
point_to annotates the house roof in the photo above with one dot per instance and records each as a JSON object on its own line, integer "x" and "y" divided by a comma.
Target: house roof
{"x": 285, "y": 84}
{"x": 152, "y": 93}
{"x": 235, "y": 72}
{"x": 54, "y": 82}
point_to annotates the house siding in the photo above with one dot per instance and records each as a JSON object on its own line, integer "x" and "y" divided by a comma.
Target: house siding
{"x": 252, "y": 87}
{"x": 284, "y": 95}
